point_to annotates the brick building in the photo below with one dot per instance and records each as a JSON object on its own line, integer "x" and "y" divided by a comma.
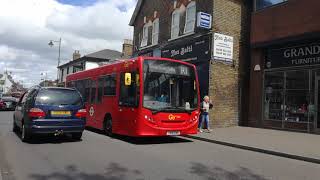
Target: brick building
{"x": 173, "y": 29}
{"x": 285, "y": 59}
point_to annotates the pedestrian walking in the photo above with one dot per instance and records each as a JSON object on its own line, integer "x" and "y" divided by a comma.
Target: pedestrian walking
{"x": 206, "y": 105}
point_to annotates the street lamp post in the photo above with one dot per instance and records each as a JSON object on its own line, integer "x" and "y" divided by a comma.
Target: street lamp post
{"x": 51, "y": 43}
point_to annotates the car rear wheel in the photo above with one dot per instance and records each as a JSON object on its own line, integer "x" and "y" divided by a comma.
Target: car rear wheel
{"x": 76, "y": 136}
{"x": 25, "y": 135}
{"x": 108, "y": 127}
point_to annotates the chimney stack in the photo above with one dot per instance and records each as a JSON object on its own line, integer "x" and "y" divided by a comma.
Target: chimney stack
{"x": 127, "y": 48}
{"x": 76, "y": 55}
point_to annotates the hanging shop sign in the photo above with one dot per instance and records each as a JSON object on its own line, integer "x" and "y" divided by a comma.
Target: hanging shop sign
{"x": 197, "y": 49}
{"x": 223, "y": 47}
{"x": 308, "y": 54}
{"x": 204, "y": 20}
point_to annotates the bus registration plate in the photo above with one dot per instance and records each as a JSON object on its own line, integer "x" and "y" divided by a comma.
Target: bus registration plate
{"x": 173, "y": 133}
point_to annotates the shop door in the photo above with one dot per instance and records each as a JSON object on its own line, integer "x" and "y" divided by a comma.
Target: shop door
{"x": 317, "y": 104}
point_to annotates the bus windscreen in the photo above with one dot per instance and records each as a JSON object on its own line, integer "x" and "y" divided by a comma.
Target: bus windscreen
{"x": 169, "y": 86}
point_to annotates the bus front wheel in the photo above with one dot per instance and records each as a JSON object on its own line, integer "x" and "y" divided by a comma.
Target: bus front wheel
{"x": 108, "y": 127}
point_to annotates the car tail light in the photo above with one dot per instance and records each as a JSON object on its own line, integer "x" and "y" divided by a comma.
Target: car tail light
{"x": 36, "y": 113}
{"x": 82, "y": 113}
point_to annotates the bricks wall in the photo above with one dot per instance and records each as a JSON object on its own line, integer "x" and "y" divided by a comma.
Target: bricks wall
{"x": 295, "y": 17}
{"x": 230, "y": 17}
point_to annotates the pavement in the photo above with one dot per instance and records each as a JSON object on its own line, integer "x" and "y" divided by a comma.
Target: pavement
{"x": 294, "y": 145}
{"x": 98, "y": 157}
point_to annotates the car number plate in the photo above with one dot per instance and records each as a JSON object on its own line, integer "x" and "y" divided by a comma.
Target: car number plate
{"x": 173, "y": 133}
{"x": 60, "y": 113}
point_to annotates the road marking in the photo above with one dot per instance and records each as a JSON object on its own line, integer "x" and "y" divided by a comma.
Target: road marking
{"x": 0, "y": 175}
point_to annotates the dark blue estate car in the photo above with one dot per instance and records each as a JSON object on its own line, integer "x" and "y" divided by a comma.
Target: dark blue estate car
{"x": 50, "y": 110}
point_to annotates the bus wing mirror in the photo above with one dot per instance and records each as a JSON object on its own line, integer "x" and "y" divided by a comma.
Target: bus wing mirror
{"x": 127, "y": 77}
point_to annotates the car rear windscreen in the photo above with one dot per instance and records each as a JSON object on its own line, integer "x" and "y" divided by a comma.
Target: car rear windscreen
{"x": 58, "y": 97}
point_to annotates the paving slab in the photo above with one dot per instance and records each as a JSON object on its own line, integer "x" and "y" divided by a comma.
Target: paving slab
{"x": 295, "y": 145}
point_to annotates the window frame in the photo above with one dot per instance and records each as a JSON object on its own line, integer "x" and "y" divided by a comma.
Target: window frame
{"x": 155, "y": 31}
{"x": 262, "y": 8}
{"x": 145, "y": 34}
{"x": 175, "y": 26}
{"x": 192, "y": 4}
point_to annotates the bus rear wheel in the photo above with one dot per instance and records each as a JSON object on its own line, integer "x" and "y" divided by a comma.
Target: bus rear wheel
{"x": 108, "y": 127}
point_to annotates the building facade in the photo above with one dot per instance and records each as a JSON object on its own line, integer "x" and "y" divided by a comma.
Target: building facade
{"x": 285, "y": 65}
{"x": 6, "y": 83}
{"x": 87, "y": 62}
{"x": 212, "y": 35}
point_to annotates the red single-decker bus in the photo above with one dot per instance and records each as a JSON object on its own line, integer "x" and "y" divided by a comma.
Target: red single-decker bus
{"x": 145, "y": 96}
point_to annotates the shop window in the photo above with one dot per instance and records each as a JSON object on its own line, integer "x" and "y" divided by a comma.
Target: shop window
{"x": 261, "y": 4}
{"x": 297, "y": 96}
{"x": 155, "y": 31}
{"x": 175, "y": 24}
{"x": 190, "y": 17}
{"x": 273, "y": 103}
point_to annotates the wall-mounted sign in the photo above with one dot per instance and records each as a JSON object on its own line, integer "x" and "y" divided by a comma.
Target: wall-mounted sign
{"x": 146, "y": 54}
{"x": 222, "y": 47}
{"x": 195, "y": 49}
{"x": 204, "y": 20}
{"x": 303, "y": 55}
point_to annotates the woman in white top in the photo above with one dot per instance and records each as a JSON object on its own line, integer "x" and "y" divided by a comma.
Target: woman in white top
{"x": 205, "y": 107}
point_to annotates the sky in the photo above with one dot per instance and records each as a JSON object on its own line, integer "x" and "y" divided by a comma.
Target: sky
{"x": 27, "y": 26}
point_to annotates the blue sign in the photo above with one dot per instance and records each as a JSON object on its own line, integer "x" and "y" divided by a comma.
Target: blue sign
{"x": 204, "y": 20}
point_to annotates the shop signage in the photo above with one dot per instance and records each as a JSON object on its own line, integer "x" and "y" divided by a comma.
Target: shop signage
{"x": 196, "y": 49}
{"x": 204, "y": 20}
{"x": 308, "y": 54}
{"x": 146, "y": 54}
{"x": 223, "y": 47}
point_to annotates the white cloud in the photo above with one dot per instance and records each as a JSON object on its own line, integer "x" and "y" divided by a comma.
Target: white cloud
{"x": 28, "y": 25}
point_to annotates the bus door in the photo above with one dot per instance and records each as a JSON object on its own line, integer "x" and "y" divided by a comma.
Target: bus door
{"x": 128, "y": 101}
{"x": 92, "y": 104}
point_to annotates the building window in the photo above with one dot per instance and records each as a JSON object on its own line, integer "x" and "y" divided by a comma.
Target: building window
{"x": 288, "y": 98}
{"x": 175, "y": 24}
{"x": 145, "y": 33}
{"x": 260, "y": 4}
{"x": 155, "y": 31}
{"x": 190, "y": 17}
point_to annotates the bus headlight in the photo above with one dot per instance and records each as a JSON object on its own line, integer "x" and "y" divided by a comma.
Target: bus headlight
{"x": 150, "y": 119}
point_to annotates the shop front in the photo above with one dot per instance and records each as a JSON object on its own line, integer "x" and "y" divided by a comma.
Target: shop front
{"x": 291, "y": 98}
{"x": 196, "y": 51}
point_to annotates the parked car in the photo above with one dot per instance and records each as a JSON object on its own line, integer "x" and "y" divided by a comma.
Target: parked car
{"x": 50, "y": 110}
{"x": 2, "y": 105}
{"x": 9, "y": 102}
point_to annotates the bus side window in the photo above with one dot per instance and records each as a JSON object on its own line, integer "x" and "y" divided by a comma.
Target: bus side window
{"x": 128, "y": 94}
{"x": 80, "y": 86}
{"x": 87, "y": 90}
{"x": 93, "y": 92}
{"x": 100, "y": 89}
{"x": 110, "y": 85}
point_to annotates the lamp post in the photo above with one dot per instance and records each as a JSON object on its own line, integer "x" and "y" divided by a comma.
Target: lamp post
{"x": 51, "y": 43}
{"x": 44, "y": 78}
